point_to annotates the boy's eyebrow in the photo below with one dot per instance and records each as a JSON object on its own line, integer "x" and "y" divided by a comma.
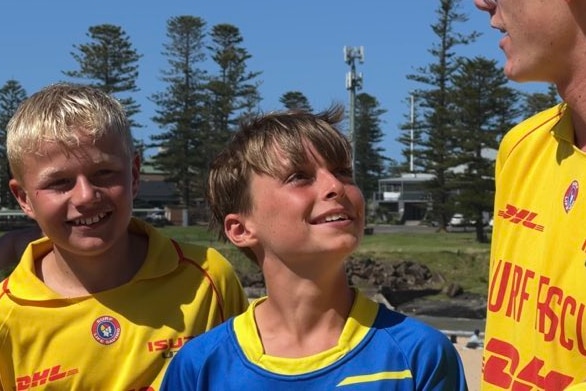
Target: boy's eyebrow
{"x": 49, "y": 173}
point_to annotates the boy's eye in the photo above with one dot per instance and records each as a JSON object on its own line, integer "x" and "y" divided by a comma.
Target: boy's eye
{"x": 101, "y": 177}
{"x": 103, "y": 173}
{"x": 60, "y": 184}
{"x": 297, "y": 177}
{"x": 98, "y": 178}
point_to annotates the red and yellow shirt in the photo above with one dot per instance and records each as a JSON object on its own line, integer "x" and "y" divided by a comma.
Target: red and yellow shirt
{"x": 536, "y": 320}
{"x": 120, "y": 339}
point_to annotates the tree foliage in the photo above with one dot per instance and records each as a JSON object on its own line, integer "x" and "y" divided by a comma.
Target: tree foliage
{"x": 369, "y": 156}
{"x": 295, "y": 100}
{"x": 485, "y": 108}
{"x": 12, "y": 94}
{"x": 109, "y": 62}
{"x": 539, "y": 101}
{"x": 200, "y": 107}
{"x": 232, "y": 89}
{"x": 180, "y": 107}
{"x": 436, "y": 104}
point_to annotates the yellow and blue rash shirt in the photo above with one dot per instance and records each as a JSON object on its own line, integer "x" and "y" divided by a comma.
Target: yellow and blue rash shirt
{"x": 120, "y": 339}
{"x": 378, "y": 349}
{"x": 536, "y": 316}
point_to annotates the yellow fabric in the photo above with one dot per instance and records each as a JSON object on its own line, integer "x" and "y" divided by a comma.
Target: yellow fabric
{"x": 536, "y": 319}
{"x": 47, "y": 341}
{"x": 362, "y": 316}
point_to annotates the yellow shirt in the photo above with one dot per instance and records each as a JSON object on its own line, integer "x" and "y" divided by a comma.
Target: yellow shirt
{"x": 536, "y": 320}
{"x": 120, "y": 339}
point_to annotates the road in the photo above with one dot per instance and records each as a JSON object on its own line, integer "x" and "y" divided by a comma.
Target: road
{"x": 391, "y": 228}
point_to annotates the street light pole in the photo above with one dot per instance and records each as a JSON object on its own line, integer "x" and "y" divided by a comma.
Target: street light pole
{"x": 353, "y": 83}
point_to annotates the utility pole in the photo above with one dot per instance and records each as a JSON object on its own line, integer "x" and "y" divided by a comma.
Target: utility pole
{"x": 411, "y": 167}
{"x": 353, "y": 83}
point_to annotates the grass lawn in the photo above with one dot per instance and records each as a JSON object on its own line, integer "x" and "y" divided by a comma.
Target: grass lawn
{"x": 457, "y": 256}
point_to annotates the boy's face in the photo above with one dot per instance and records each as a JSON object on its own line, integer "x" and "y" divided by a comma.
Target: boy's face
{"x": 81, "y": 200}
{"x": 313, "y": 211}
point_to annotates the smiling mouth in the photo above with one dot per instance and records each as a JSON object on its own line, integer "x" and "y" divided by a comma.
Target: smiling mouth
{"x": 334, "y": 217}
{"x": 88, "y": 220}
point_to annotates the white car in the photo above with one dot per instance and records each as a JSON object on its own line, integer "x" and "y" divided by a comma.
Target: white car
{"x": 457, "y": 220}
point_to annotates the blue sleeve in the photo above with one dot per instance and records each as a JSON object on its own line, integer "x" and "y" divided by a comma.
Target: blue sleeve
{"x": 437, "y": 365}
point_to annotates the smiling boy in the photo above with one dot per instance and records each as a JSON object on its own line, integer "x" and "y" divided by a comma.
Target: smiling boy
{"x": 282, "y": 192}
{"x": 103, "y": 301}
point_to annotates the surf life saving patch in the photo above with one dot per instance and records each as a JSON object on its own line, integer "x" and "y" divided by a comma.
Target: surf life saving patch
{"x": 106, "y": 330}
{"x": 571, "y": 195}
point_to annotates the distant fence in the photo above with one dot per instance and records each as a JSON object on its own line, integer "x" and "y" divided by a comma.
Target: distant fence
{"x": 13, "y": 219}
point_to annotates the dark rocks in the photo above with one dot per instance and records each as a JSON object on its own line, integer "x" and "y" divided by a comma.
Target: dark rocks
{"x": 411, "y": 287}
{"x": 401, "y": 276}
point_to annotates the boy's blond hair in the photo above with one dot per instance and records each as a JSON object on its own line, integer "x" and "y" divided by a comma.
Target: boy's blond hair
{"x": 260, "y": 145}
{"x": 63, "y": 113}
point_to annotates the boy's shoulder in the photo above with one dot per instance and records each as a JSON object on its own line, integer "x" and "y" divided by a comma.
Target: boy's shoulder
{"x": 162, "y": 246}
{"x": 407, "y": 330}
{"x": 207, "y": 259}
{"x": 533, "y": 127}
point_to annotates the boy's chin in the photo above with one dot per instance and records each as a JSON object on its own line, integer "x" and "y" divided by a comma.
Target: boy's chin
{"x": 349, "y": 245}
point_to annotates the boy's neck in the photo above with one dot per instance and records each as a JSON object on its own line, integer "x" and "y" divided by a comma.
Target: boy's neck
{"x": 573, "y": 95}
{"x": 73, "y": 276}
{"x": 304, "y": 321}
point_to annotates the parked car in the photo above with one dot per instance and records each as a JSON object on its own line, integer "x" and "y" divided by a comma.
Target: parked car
{"x": 458, "y": 220}
{"x": 158, "y": 219}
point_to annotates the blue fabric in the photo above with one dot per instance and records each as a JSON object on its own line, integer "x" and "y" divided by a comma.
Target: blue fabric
{"x": 397, "y": 353}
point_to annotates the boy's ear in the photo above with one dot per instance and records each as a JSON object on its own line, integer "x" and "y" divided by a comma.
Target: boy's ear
{"x": 237, "y": 231}
{"x": 22, "y": 198}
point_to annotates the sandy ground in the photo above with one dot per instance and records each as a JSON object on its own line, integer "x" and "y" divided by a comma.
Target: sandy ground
{"x": 472, "y": 361}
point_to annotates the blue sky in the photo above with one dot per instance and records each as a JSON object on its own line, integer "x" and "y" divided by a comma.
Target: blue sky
{"x": 297, "y": 45}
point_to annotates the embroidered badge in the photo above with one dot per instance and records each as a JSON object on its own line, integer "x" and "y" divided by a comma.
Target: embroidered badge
{"x": 106, "y": 330}
{"x": 570, "y": 196}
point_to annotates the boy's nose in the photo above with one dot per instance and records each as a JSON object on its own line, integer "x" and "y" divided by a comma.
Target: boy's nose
{"x": 333, "y": 185}
{"x": 84, "y": 192}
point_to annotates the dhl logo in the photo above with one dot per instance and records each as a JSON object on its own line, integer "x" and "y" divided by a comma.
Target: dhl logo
{"x": 523, "y": 217}
{"x": 502, "y": 367}
{"x": 43, "y": 377}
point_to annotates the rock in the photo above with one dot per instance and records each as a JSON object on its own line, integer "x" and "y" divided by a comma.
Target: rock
{"x": 453, "y": 290}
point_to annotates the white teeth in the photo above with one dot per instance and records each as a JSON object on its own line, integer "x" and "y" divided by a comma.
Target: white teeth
{"x": 89, "y": 220}
{"x": 338, "y": 216}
